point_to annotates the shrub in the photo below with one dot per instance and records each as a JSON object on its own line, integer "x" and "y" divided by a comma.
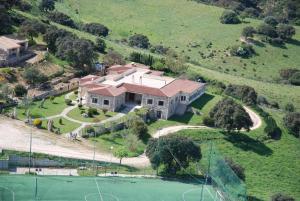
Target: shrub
{"x": 52, "y": 98}
{"x": 281, "y": 197}
{"x": 229, "y": 17}
{"x": 159, "y": 49}
{"x": 288, "y": 73}
{"x": 112, "y": 58}
{"x": 68, "y": 101}
{"x": 37, "y": 123}
{"x": 286, "y": 31}
{"x": 92, "y": 112}
{"x": 261, "y": 100}
{"x": 267, "y": 30}
{"x": 207, "y": 121}
{"x": 289, "y": 107}
{"x": 292, "y": 122}
{"x": 139, "y": 40}
{"x": 20, "y": 90}
{"x": 243, "y": 50}
{"x": 60, "y": 121}
{"x": 243, "y": 92}
{"x": 236, "y": 168}
{"x": 96, "y": 29}
{"x": 47, "y": 5}
{"x": 274, "y": 104}
{"x": 62, "y": 19}
{"x": 270, "y": 20}
{"x": 271, "y": 129}
{"x": 24, "y": 6}
{"x": 295, "y": 79}
{"x": 248, "y": 31}
{"x": 100, "y": 45}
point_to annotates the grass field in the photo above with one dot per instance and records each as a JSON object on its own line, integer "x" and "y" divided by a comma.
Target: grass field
{"x": 65, "y": 127}
{"x": 178, "y": 24}
{"x": 50, "y": 108}
{"x": 77, "y": 114}
{"x": 100, "y": 189}
{"x": 270, "y": 166}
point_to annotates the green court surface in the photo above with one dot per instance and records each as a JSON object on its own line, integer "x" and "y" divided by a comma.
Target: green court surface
{"x": 57, "y": 188}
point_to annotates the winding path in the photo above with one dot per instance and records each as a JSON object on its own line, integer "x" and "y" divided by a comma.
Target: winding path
{"x": 15, "y": 135}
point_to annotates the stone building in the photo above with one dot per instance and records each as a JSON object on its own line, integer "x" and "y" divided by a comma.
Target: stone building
{"x": 136, "y": 84}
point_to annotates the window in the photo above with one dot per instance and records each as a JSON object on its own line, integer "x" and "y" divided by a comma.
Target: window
{"x": 95, "y": 100}
{"x": 150, "y": 101}
{"x": 171, "y": 102}
{"x": 161, "y": 103}
{"x": 106, "y": 102}
{"x": 183, "y": 98}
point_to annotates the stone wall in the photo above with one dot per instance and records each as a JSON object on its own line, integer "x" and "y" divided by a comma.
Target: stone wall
{"x": 155, "y": 107}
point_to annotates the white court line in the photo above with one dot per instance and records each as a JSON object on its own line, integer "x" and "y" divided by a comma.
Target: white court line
{"x": 13, "y": 193}
{"x": 99, "y": 190}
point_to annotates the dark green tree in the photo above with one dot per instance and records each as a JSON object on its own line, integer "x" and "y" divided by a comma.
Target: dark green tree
{"x": 34, "y": 76}
{"x": 96, "y": 29}
{"x": 229, "y": 17}
{"x": 20, "y": 90}
{"x": 270, "y": 20}
{"x": 267, "y": 30}
{"x": 292, "y": 123}
{"x": 248, "y": 32}
{"x": 236, "y": 168}
{"x": 100, "y": 45}
{"x": 230, "y": 116}
{"x": 285, "y": 31}
{"x": 174, "y": 152}
{"x": 47, "y": 5}
{"x": 139, "y": 40}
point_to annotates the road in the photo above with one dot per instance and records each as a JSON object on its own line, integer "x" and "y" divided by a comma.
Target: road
{"x": 15, "y": 135}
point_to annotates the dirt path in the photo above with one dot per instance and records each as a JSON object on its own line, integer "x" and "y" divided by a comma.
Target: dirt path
{"x": 15, "y": 135}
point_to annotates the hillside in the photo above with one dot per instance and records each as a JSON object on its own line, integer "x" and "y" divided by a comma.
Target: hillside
{"x": 188, "y": 31}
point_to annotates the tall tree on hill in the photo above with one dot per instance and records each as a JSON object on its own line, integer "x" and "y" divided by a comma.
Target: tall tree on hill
{"x": 5, "y": 18}
{"x": 47, "y": 5}
{"x": 230, "y": 116}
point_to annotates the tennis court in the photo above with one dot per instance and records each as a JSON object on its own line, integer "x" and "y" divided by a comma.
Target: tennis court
{"x": 58, "y": 188}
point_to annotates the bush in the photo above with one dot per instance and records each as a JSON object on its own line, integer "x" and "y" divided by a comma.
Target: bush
{"x": 243, "y": 50}
{"x": 248, "y": 31}
{"x": 139, "y": 40}
{"x": 236, "y": 168}
{"x": 96, "y": 29}
{"x": 37, "y": 123}
{"x": 113, "y": 58}
{"x": 24, "y": 6}
{"x": 295, "y": 79}
{"x": 281, "y": 197}
{"x": 60, "y": 121}
{"x": 62, "y": 19}
{"x": 285, "y": 31}
{"x": 68, "y": 101}
{"x": 292, "y": 123}
{"x": 207, "y": 121}
{"x": 261, "y": 100}
{"x": 270, "y": 20}
{"x": 20, "y": 90}
{"x": 289, "y": 107}
{"x": 159, "y": 49}
{"x": 267, "y": 30}
{"x": 100, "y": 45}
{"x": 229, "y": 17}
{"x": 92, "y": 112}
{"x": 271, "y": 129}
{"x": 243, "y": 92}
{"x": 288, "y": 73}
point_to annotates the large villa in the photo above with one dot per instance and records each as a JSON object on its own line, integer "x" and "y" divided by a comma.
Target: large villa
{"x": 136, "y": 84}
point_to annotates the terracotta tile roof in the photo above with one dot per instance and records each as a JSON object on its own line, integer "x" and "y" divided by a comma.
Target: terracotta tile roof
{"x": 8, "y": 43}
{"x": 143, "y": 90}
{"x": 179, "y": 85}
{"x": 108, "y": 91}
{"x": 117, "y": 70}
{"x": 88, "y": 78}
{"x": 155, "y": 72}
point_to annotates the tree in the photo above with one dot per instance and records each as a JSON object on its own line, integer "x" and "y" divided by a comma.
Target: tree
{"x": 243, "y": 50}
{"x": 61, "y": 18}
{"x": 288, "y": 73}
{"x": 229, "y": 17}
{"x": 121, "y": 153}
{"x": 271, "y": 129}
{"x": 100, "y": 45}
{"x": 175, "y": 63}
{"x": 174, "y": 152}
{"x": 5, "y": 16}
{"x": 292, "y": 123}
{"x": 295, "y": 79}
{"x": 47, "y": 5}
{"x": 237, "y": 169}
{"x": 285, "y": 31}
{"x": 267, "y": 30}
{"x": 248, "y": 32}
{"x": 281, "y": 197}
{"x": 96, "y": 29}
{"x": 34, "y": 76}
{"x": 243, "y": 92}
{"x": 20, "y": 90}
{"x": 139, "y": 40}
{"x": 113, "y": 58}
{"x": 289, "y": 107}
{"x": 270, "y": 20}
{"x": 52, "y": 35}
{"x": 28, "y": 30}
{"x": 137, "y": 126}
{"x": 230, "y": 116}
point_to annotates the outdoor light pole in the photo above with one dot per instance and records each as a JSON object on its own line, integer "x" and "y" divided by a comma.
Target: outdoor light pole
{"x": 30, "y": 145}
{"x": 94, "y": 150}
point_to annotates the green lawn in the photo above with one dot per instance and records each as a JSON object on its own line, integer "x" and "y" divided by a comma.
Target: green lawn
{"x": 49, "y": 108}
{"x": 115, "y": 140}
{"x": 185, "y": 24}
{"x": 270, "y": 166}
{"x": 77, "y": 114}
{"x": 203, "y": 105}
{"x": 65, "y": 127}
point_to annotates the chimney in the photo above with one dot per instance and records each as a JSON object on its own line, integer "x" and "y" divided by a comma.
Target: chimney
{"x": 141, "y": 80}
{"x": 132, "y": 78}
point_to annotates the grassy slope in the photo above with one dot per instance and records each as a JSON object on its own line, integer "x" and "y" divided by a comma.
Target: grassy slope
{"x": 270, "y": 167}
{"x": 66, "y": 126}
{"x": 276, "y": 92}
{"x": 168, "y": 23}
